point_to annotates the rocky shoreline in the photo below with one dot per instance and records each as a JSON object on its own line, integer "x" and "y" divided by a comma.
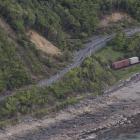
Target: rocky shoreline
{"x": 95, "y": 118}
{"x": 129, "y": 130}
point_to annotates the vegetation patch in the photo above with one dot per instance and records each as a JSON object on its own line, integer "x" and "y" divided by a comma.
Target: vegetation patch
{"x": 121, "y": 47}
{"x": 12, "y": 71}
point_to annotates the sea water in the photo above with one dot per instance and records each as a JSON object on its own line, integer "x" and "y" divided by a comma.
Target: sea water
{"x": 129, "y": 137}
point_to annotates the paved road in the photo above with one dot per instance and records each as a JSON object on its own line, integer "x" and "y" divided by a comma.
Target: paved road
{"x": 95, "y": 43}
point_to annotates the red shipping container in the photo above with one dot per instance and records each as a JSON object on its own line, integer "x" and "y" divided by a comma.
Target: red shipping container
{"x": 121, "y": 64}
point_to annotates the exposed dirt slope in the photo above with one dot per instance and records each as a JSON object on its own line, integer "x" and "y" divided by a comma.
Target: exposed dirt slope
{"x": 114, "y": 17}
{"x": 40, "y": 42}
{"x": 43, "y": 44}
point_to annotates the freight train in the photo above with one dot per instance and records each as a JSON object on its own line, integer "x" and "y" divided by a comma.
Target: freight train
{"x": 125, "y": 63}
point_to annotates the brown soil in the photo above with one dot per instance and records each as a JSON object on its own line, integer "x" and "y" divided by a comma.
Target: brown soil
{"x": 113, "y": 18}
{"x": 43, "y": 44}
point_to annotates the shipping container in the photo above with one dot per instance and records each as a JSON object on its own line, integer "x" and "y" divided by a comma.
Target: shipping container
{"x": 121, "y": 64}
{"x": 134, "y": 60}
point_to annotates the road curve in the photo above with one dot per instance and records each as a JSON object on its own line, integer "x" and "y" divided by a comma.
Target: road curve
{"x": 95, "y": 44}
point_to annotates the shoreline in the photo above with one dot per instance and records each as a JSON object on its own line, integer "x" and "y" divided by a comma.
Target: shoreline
{"x": 87, "y": 119}
{"x": 131, "y": 127}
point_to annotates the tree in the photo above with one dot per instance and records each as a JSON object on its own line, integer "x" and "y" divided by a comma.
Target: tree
{"x": 119, "y": 42}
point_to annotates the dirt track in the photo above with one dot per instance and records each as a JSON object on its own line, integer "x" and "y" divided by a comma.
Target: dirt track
{"x": 85, "y": 120}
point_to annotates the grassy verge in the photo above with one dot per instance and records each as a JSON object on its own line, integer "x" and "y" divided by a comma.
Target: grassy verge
{"x": 39, "y": 113}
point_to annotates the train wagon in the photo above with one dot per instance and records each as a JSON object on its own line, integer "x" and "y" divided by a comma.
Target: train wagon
{"x": 121, "y": 64}
{"x": 125, "y": 63}
{"x": 134, "y": 60}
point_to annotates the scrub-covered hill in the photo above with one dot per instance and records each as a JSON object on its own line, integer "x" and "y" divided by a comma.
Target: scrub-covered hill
{"x": 64, "y": 23}
{"x": 20, "y": 62}
{"x": 64, "y": 19}
{"x": 37, "y": 38}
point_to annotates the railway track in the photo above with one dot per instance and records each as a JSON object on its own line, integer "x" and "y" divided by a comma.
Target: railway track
{"x": 95, "y": 43}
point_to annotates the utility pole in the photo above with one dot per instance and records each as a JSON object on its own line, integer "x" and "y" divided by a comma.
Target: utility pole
{"x": 118, "y": 5}
{"x": 111, "y": 6}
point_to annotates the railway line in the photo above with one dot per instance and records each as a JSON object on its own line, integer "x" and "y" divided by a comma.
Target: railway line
{"x": 80, "y": 121}
{"x": 96, "y": 43}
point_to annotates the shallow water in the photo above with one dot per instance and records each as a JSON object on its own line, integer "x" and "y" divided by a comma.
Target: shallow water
{"x": 129, "y": 137}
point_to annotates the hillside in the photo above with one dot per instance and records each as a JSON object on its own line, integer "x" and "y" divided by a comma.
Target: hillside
{"x": 64, "y": 23}
{"x": 38, "y": 40}
{"x": 21, "y": 63}
{"x": 12, "y": 69}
